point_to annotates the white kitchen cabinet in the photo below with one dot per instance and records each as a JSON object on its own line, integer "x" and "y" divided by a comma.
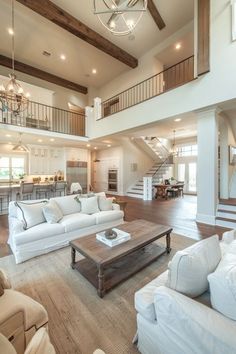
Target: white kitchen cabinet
{"x": 45, "y": 160}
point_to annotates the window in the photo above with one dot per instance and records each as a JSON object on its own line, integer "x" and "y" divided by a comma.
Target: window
{"x": 11, "y": 167}
{"x": 189, "y": 150}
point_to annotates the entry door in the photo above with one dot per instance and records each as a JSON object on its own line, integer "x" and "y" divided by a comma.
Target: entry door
{"x": 187, "y": 172}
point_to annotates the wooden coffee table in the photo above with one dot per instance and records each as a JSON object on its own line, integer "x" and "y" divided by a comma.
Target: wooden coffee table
{"x": 106, "y": 267}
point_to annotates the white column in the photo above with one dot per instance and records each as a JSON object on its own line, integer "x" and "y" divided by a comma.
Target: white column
{"x": 89, "y": 119}
{"x": 224, "y": 160}
{"x": 147, "y": 188}
{"x": 207, "y": 171}
{"x": 97, "y": 108}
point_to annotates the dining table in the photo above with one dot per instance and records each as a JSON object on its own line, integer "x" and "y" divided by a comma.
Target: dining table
{"x": 161, "y": 189}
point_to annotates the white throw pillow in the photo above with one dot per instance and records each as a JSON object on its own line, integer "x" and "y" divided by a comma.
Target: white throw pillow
{"x": 89, "y": 205}
{"x": 190, "y": 267}
{"x": 223, "y": 286}
{"x": 104, "y": 203}
{"x": 31, "y": 214}
{"x": 52, "y": 212}
{"x": 67, "y": 204}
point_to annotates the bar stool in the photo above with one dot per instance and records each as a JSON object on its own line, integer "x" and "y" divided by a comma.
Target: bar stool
{"x": 59, "y": 187}
{"x": 43, "y": 192}
{"x": 26, "y": 191}
{"x": 5, "y": 196}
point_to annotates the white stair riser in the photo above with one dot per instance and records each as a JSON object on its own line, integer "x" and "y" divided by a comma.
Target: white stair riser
{"x": 135, "y": 195}
{"x": 227, "y": 207}
{"x": 226, "y": 215}
{"x": 228, "y": 224}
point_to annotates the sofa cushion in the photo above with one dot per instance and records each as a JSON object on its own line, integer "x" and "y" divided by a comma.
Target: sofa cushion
{"x": 144, "y": 298}
{"x": 190, "y": 267}
{"x": 38, "y": 232}
{"x": 88, "y": 205}
{"x": 104, "y": 203}
{"x": 67, "y": 204}
{"x": 77, "y": 221}
{"x": 223, "y": 286}
{"x": 108, "y": 216}
{"x": 52, "y": 212}
{"x": 31, "y": 214}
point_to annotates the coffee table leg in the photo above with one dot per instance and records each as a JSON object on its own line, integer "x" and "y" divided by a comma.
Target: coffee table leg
{"x": 168, "y": 248}
{"x": 101, "y": 281}
{"x": 72, "y": 258}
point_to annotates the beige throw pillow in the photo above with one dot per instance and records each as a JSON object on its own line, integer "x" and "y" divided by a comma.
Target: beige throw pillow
{"x": 104, "y": 203}
{"x": 52, "y": 212}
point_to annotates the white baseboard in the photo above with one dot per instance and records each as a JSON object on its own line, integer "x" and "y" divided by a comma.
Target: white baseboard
{"x": 206, "y": 219}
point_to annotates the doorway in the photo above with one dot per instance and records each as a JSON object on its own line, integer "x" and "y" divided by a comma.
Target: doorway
{"x": 187, "y": 172}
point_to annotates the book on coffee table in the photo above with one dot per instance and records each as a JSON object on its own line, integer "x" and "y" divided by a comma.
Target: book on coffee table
{"x": 122, "y": 236}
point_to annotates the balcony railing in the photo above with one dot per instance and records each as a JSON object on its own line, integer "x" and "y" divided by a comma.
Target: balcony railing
{"x": 176, "y": 75}
{"x": 44, "y": 117}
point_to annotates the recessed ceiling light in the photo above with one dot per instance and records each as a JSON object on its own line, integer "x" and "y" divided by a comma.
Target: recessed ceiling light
{"x": 94, "y": 71}
{"x": 52, "y": 139}
{"x": 40, "y": 140}
{"x": 178, "y": 120}
{"x": 95, "y": 148}
{"x": 109, "y": 145}
{"x": 63, "y": 57}
{"x": 10, "y": 31}
{"x": 178, "y": 46}
{"x": 88, "y": 145}
{"x": 8, "y": 135}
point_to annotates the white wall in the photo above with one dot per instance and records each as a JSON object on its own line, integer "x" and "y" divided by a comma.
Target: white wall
{"x": 60, "y": 95}
{"x": 210, "y": 89}
{"x": 121, "y": 157}
{"x": 148, "y": 65}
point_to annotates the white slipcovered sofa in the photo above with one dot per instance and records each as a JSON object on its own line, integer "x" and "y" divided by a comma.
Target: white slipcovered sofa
{"x": 191, "y": 308}
{"x": 45, "y": 237}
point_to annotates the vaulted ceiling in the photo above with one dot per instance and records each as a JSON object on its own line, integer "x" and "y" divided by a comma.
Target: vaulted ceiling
{"x": 35, "y": 34}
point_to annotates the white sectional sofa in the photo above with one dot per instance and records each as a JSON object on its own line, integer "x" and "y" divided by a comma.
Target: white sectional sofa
{"x": 46, "y": 237}
{"x": 191, "y": 308}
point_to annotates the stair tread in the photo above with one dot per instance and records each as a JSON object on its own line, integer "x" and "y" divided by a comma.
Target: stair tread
{"x": 231, "y": 201}
{"x": 225, "y": 219}
{"x": 226, "y": 211}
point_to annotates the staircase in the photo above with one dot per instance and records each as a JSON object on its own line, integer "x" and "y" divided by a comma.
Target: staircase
{"x": 157, "y": 172}
{"x": 226, "y": 213}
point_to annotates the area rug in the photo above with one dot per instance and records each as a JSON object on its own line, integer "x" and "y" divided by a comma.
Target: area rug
{"x": 79, "y": 321}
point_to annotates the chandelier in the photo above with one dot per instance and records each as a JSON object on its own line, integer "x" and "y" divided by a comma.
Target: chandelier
{"x": 120, "y": 17}
{"x": 12, "y": 95}
{"x": 20, "y": 147}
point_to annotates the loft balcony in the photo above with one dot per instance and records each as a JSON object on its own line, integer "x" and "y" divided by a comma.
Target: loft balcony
{"x": 169, "y": 79}
{"x": 46, "y": 118}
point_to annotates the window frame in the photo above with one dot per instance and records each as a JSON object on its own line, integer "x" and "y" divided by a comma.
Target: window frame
{"x": 233, "y": 24}
{"x": 11, "y": 167}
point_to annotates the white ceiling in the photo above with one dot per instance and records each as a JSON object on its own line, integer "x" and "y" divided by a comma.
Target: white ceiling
{"x": 34, "y": 34}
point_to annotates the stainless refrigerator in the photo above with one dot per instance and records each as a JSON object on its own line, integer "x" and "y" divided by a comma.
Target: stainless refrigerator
{"x": 77, "y": 171}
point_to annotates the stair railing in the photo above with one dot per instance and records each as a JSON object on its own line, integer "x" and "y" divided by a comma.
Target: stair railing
{"x": 168, "y": 159}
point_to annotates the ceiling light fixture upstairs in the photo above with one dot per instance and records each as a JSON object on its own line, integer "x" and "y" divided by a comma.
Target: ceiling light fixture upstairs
{"x": 94, "y": 71}
{"x": 12, "y": 96}
{"x": 10, "y": 31}
{"x": 178, "y": 46}
{"x": 20, "y": 147}
{"x": 63, "y": 57}
{"x": 178, "y": 120}
{"x": 120, "y": 17}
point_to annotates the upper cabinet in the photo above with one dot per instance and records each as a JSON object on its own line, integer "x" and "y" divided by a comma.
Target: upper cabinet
{"x": 45, "y": 160}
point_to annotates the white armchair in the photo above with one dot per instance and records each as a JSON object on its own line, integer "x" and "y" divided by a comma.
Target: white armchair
{"x": 20, "y": 316}
{"x": 169, "y": 322}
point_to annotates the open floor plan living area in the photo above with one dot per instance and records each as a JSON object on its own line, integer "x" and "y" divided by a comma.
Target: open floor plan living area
{"x": 117, "y": 177}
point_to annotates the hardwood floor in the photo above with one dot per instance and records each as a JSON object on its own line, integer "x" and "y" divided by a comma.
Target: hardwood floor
{"x": 178, "y": 213}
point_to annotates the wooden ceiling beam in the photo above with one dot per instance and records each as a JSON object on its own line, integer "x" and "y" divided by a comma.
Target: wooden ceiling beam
{"x": 156, "y": 15}
{"x": 63, "y": 19}
{"x": 43, "y": 75}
